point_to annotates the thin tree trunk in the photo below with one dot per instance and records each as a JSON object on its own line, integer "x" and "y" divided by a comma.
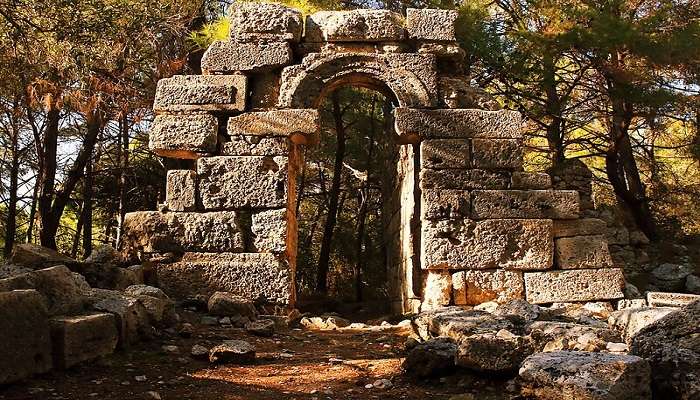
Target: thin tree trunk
{"x": 32, "y": 215}
{"x": 11, "y": 223}
{"x": 123, "y": 166}
{"x": 555, "y": 128}
{"x": 78, "y": 231}
{"x": 328, "y": 229}
{"x": 47, "y": 178}
{"x": 88, "y": 182}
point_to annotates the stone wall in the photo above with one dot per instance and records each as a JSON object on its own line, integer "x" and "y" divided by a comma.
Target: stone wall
{"x": 470, "y": 225}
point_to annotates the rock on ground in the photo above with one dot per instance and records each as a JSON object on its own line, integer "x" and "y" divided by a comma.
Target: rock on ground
{"x": 261, "y": 327}
{"x": 574, "y": 375}
{"x": 493, "y": 352}
{"x": 225, "y": 304}
{"x": 234, "y": 352}
{"x": 435, "y": 357}
{"x": 63, "y": 291}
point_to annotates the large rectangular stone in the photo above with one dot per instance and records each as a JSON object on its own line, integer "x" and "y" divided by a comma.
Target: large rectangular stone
{"x": 664, "y": 299}
{"x": 531, "y": 180}
{"x": 253, "y": 21}
{"x": 229, "y": 56}
{"x": 445, "y": 203}
{"x": 253, "y": 145}
{"x": 579, "y": 227}
{"x": 458, "y": 123}
{"x": 201, "y": 93}
{"x": 463, "y": 179}
{"x": 260, "y": 277}
{"x": 361, "y": 25}
{"x": 445, "y": 153}
{"x": 183, "y": 136}
{"x": 304, "y": 122}
{"x": 490, "y": 244}
{"x": 181, "y": 190}
{"x": 25, "y": 337}
{"x": 431, "y": 24}
{"x": 574, "y": 285}
{"x": 491, "y": 285}
{"x": 230, "y": 182}
{"x": 497, "y": 153}
{"x": 82, "y": 338}
{"x": 582, "y": 252}
{"x": 554, "y": 204}
{"x": 153, "y": 231}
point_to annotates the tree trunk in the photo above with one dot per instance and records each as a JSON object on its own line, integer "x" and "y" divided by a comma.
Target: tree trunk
{"x": 123, "y": 166}
{"x": 555, "y": 127}
{"x": 11, "y": 222}
{"x": 328, "y": 229}
{"x": 47, "y": 178}
{"x": 78, "y": 231}
{"x": 88, "y": 183}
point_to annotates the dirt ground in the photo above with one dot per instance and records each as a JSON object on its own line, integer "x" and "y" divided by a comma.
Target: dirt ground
{"x": 296, "y": 364}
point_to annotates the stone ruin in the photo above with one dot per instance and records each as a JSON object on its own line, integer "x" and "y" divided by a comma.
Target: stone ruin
{"x": 469, "y": 224}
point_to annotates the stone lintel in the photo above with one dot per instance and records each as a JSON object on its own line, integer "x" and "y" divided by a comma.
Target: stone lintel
{"x": 229, "y": 56}
{"x": 458, "y": 123}
{"x": 201, "y": 93}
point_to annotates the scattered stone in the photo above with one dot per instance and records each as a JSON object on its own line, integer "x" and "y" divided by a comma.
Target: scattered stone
{"x": 519, "y": 309}
{"x": 662, "y": 299}
{"x": 225, "y": 304}
{"x": 617, "y": 347}
{"x": 33, "y": 256}
{"x": 631, "y": 303}
{"x": 199, "y": 352}
{"x": 261, "y": 327}
{"x": 225, "y": 321}
{"x": 133, "y": 321}
{"x": 670, "y": 277}
{"x": 382, "y": 384}
{"x": 209, "y": 321}
{"x": 234, "y": 352}
{"x": 170, "y": 349}
{"x": 632, "y": 320}
{"x": 435, "y": 357}
{"x": 574, "y": 375}
{"x": 151, "y": 395}
{"x": 336, "y": 322}
{"x": 140, "y": 378}
{"x": 491, "y": 352}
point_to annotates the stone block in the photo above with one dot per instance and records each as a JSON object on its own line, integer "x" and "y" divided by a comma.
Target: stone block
{"x": 183, "y": 136}
{"x": 201, "y": 93}
{"x": 632, "y": 320}
{"x": 550, "y": 204}
{"x": 252, "y": 21}
{"x": 490, "y": 285}
{"x": 579, "y": 227}
{"x": 458, "y": 123}
{"x": 445, "y": 203}
{"x": 153, "y": 231}
{"x": 253, "y": 145}
{"x": 582, "y": 252}
{"x": 445, "y": 153}
{"x": 132, "y": 319}
{"x": 437, "y": 289}
{"x": 230, "y": 182}
{"x": 255, "y": 276}
{"x": 362, "y": 25}
{"x": 664, "y": 299}
{"x": 270, "y": 231}
{"x": 497, "y": 153}
{"x": 499, "y": 243}
{"x": 574, "y": 285}
{"x": 82, "y": 338}
{"x": 463, "y": 179}
{"x": 530, "y": 180}
{"x": 294, "y": 122}
{"x": 25, "y": 337}
{"x": 181, "y": 190}
{"x": 229, "y": 56}
{"x": 431, "y": 24}
{"x": 33, "y": 256}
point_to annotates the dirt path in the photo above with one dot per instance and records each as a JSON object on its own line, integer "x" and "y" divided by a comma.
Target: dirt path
{"x": 293, "y": 365}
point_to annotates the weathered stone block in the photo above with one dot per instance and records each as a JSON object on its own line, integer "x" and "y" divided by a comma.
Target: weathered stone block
{"x": 183, "y": 136}
{"x": 579, "y": 227}
{"x": 437, "y": 289}
{"x": 181, "y": 190}
{"x": 445, "y": 153}
{"x": 228, "y": 56}
{"x": 252, "y": 145}
{"x": 431, "y": 24}
{"x": 201, "y": 93}
{"x": 25, "y": 338}
{"x": 132, "y": 320}
{"x": 240, "y": 182}
{"x": 530, "y": 180}
{"x": 270, "y": 231}
{"x": 458, "y": 123}
{"x": 445, "y": 203}
{"x": 33, "y": 256}
{"x": 497, "y": 153}
{"x": 582, "y": 252}
{"x": 294, "y": 122}
{"x": 574, "y": 285}
{"x": 463, "y": 179}
{"x": 354, "y": 26}
{"x": 491, "y": 285}
{"x": 493, "y": 352}
{"x": 83, "y": 337}
{"x": 252, "y": 21}
{"x": 489, "y": 244}
{"x": 663, "y": 299}
{"x": 255, "y": 276}
{"x": 554, "y": 204}
{"x": 153, "y": 231}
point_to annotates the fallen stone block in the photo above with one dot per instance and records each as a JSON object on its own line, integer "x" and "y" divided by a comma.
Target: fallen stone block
{"x": 545, "y": 204}
{"x": 574, "y": 285}
{"x": 232, "y": 352}
{"x": 183, "y": 136}
{"x": 224, "y": 304}
{"x": 431, "y": 24}
{"x": 493, "y": 352}
{"x": 362, "y": 25}
{"x": 160, "y": 309}
{"x": 579, "y": 227}
{"x": 82, "y": 338}
{"x": 25, "y": 337}
{"x": 33, "y": 256}
{"x": 229, "y": 56}
{"x": 574, "y": 375}
{"x": 664, "y": 299}
{"x": 497, "y": 153}
{"x": 252, "y": 22}
{"x": 582, "y": 252}
{"x": 632, "y": 320}
{"x": 201, "y": 93}
{"x": 181, "y": 190}
{"x": 133, "y": 321}
{"x": 229, "y": 182}
{"x": 458, "y": 123}
{"x": 458, "y": 323}
{"x": 435, "y": 357}
{"x": 445, "y": 153}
